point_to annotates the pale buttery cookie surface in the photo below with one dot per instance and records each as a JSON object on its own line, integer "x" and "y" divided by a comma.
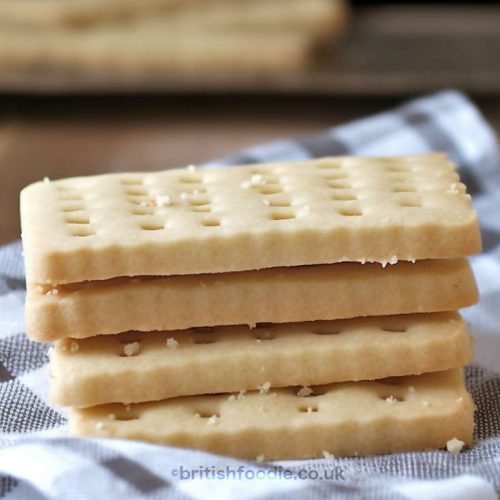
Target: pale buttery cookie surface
{"x": 129, "y": 52}
{"x": 279, "y": 295}
{"x": 192, "y": 221}
{"x": 80, "y": 16}
{"x": 53, "y": 13}
{"x": 121, "y": 39}
{"x": 352, "y": 418}
{"x": 133, "y": 368}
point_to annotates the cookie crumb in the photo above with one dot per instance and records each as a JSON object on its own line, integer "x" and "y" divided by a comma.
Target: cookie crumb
{"x": 252, "y": 325}
{"x": 304, "y": 391}
{"x": 241, "y": 395}
{"x": 74, "y": 347}
{"x": 163, "y": 200}
{"x": 260, "y": 458}
{"x": 393, "y": 260}
{"x": 232, "y": 397}
{"x": 455, "y": 446}
{"x": 257, "y": 179}
{"x": 111, "y": 416}
{"x": 46, "y": 180}
{"x": 264, "y": 388}
{"x": 131, "y": 349}
{"x": 305, "y": 210}
{"x": 191, "y": 168}
{"x": 212, "y": 420}
{"x": 327, "y": 455}
{"x": 98, "y": 426}
{"x": 391, "y": 400}
{"x": 171, "y": 343}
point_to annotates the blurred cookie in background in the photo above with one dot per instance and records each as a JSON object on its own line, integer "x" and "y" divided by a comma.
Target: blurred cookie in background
{"x": 167, "y": 36}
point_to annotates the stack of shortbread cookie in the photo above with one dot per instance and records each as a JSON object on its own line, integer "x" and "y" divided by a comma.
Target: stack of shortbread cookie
{"x": 344, "y": 276}
{"x": 166, "y": 36}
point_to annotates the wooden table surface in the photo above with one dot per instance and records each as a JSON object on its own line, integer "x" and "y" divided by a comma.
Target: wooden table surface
{"x": 64, "y": 137}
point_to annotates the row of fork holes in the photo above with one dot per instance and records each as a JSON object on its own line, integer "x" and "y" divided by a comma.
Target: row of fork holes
{"x": 306, "y": 405}
{"x": 394, "y": 170}
{"x": 271, "y": 184}
{"x": 155, "y": 226}
{"x": 349, "y": 211}
{"x": 185, "y": 178}
{"x": 134, "y": 185}
{"x": 74, "y": 213}
{"x": 207, "y": 336}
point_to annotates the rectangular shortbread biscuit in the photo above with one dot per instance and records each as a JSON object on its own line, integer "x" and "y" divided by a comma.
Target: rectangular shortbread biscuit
{"x": 352, "y": 418}
{"x": 278, "y": 295}
{"x": 163, "y": 365}
{"x": 189, "y": 221}
{"x": 142, "y": 52}
{"x": 321, "y": 15}
{"x": 317, "y": 17}
{"x": 50, "y": 13}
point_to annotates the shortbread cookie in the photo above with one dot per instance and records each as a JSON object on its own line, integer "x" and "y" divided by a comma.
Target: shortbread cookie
{"x": 133, "y": 368}
{"x": 242, "y": 218}
{"x": 51, "y": 13}
{"x": 316, "y": 17}
{"x": 144, "y": 53}
{"x": 278, "y": 295}
{"x": 352, "y": 418}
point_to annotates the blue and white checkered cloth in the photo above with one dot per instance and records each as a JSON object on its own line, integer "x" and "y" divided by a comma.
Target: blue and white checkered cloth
{"x": 38, "y": 460}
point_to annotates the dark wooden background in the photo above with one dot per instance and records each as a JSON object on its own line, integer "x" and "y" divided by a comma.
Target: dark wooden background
{"x": 391, "y": 53}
